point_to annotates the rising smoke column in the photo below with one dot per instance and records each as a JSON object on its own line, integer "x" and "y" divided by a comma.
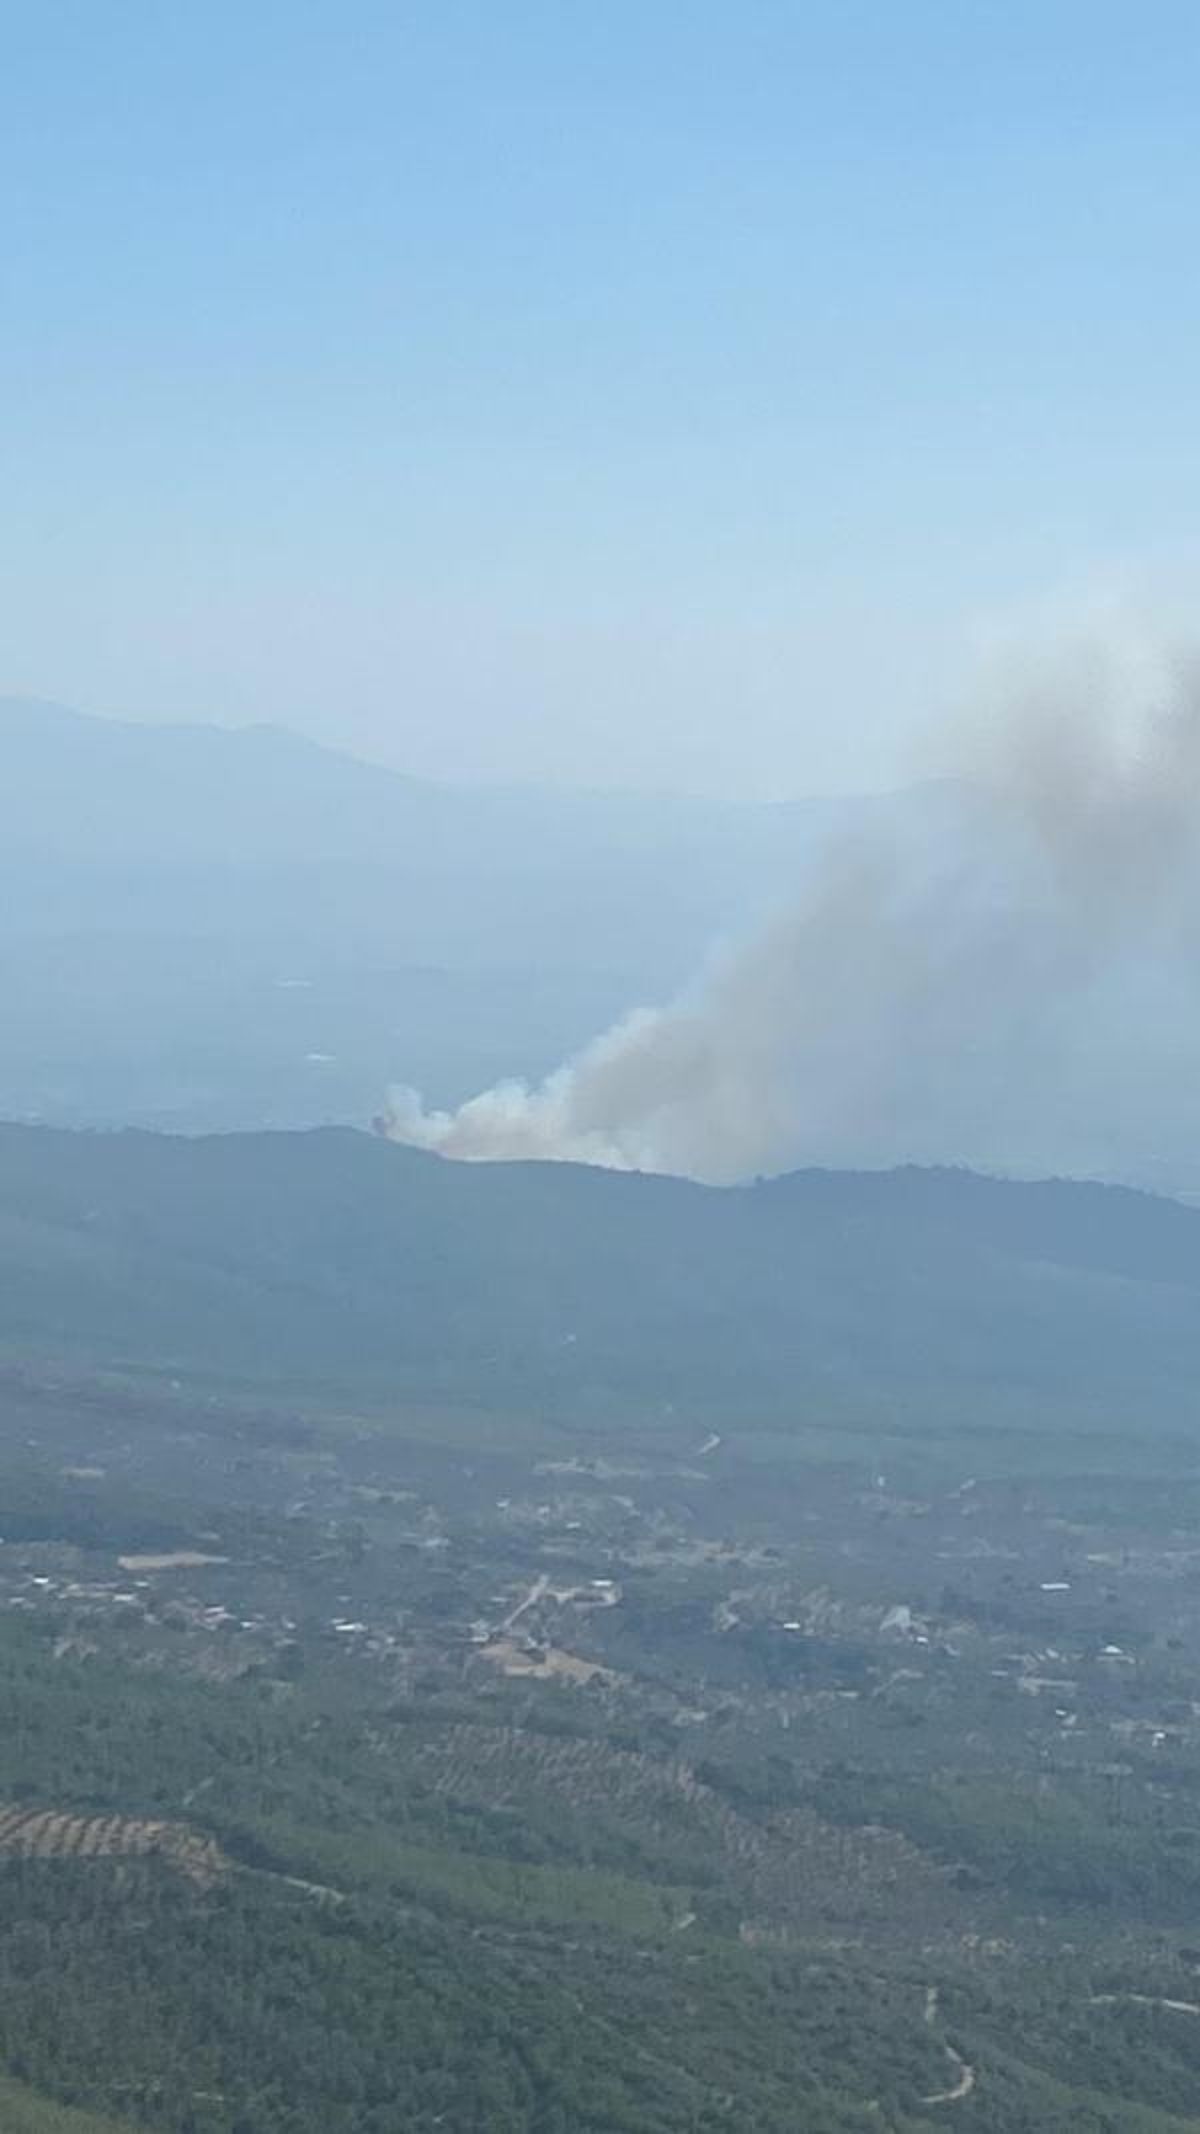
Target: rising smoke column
{"x": 1022, "y": 997}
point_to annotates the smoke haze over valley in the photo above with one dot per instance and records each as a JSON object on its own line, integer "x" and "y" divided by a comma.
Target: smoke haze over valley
{"x": 1013, "y": 984}
{"x": 997, "y": 966}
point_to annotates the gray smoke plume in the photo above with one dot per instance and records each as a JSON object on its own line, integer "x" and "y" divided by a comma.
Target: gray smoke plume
{"x": 1012, "y": 985}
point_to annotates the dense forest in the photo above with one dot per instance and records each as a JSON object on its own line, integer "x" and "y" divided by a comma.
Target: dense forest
{"x": 338, "y": 1264}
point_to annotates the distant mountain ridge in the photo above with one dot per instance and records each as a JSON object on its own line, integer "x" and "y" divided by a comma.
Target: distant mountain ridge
{"x": 155, "y": 782}
{"x": 333, "y": 1259}
{"x": 157, "y": 883}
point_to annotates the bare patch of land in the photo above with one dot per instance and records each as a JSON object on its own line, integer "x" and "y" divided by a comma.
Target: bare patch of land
{"x": 176, "y": 1560}
{"x": 544, "y": 1663}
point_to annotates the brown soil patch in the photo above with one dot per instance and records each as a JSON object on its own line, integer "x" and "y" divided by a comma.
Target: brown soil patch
{"x": 178, "y": 1560}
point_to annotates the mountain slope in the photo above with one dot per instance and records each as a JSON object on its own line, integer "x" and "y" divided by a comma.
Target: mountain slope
{"x": 334, "y": 1258}
{"x": 108, "y": 795}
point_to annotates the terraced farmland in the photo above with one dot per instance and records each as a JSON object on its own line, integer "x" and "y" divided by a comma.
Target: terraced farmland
{"x": 52, "y": 1834}
{"x": 627, "y": 1810}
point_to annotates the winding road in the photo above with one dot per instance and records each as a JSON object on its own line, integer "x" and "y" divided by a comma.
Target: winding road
{"x": 964, "y": 2075}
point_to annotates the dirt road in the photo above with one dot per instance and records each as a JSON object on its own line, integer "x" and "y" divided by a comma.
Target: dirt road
{"x": 964, "y": 2075}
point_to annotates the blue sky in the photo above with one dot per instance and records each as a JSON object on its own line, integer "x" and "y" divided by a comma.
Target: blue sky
{"x": 669, "y": 394}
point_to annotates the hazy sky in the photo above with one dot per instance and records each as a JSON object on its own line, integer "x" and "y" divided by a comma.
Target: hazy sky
{"x": 652, "y": 391}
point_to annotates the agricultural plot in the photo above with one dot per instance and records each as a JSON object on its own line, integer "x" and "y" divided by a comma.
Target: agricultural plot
{"x": 49, "y": 1834}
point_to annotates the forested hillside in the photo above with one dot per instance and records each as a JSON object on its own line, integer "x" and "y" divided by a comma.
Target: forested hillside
{"x": 338, "y": 1260}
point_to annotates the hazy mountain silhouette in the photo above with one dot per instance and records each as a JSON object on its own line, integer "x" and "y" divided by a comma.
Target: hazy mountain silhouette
{"x": 204, "y": 926}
